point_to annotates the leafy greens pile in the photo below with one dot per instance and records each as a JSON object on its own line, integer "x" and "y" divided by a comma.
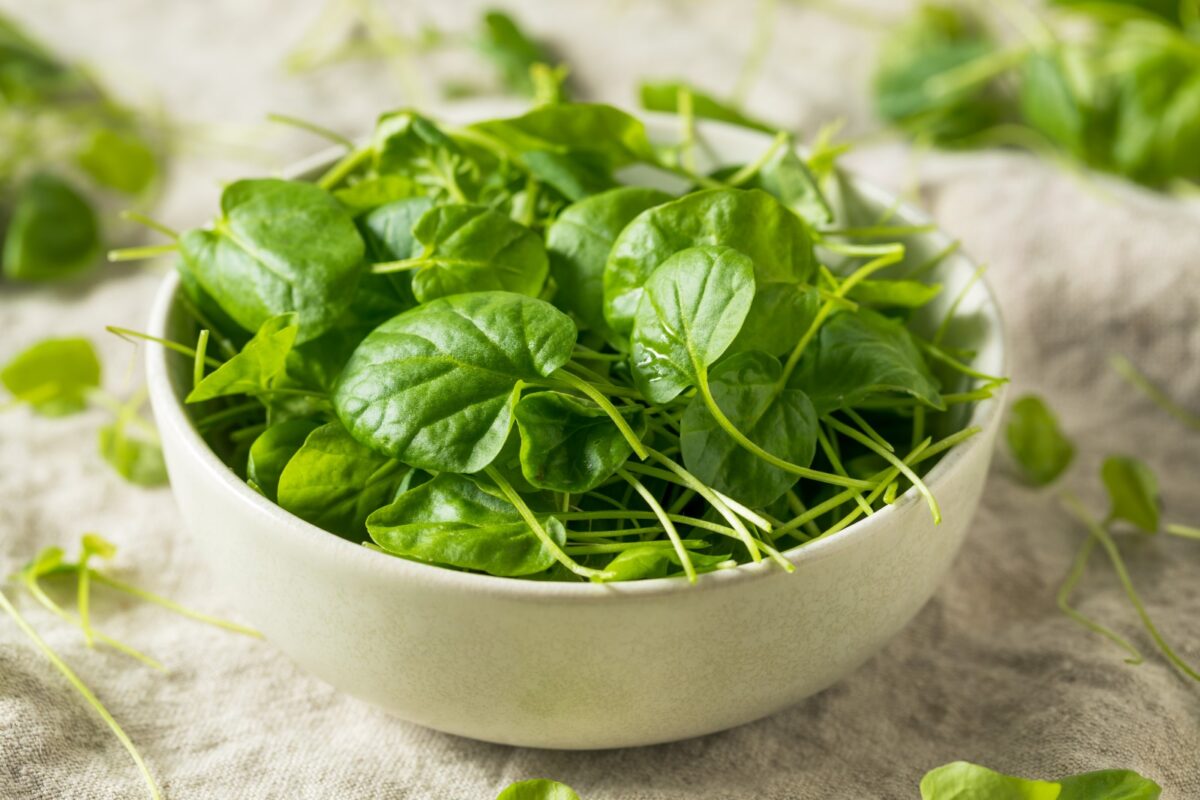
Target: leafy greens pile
{"x": 1120, "y": 94}
{"x": 68, "y": 146}
{"x": 477, "y": 347}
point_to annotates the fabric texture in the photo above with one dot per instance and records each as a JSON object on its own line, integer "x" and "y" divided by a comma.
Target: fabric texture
{"x": 989, "y": 671}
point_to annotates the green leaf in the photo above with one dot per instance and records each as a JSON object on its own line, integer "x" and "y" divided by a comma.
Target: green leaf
{"x": 53, "y": 376}
{"x": 435, "y": 386}
{"x": 279, "y": 247}
{"x": 594, "y": 129}
{"x": 511, "y": 50}
{"x": 638, "y": 563}
{"x": 573, "y": 175}
{"x": 407, "y": 143}
{"x": 450, "y": 520}
{"x": 1132, "y": 491}
{"x": 858, "y": 355}
{"x": 1110, "y": 784}
{"x": 539, "y": 789}
{"x": 474, "y": 249}
{"x": 963, "y": 781}
{"x": 371, "y": 193}
{"x": 272, "y": 451}
{"x": 569, "y": 444}
{"x": 690, "y": 312}
{"x": 255, "y": 368}
{"x": 779, "y": 316}
{"x": 335, "y": 483}
{"x": 752, "y": 222}
{"x": 746, "y": 388}
{"x": 119, "y": 160}
{"x": 1037, "y": 442}
{"x": 788, "y": 179}
{"x": 1049, "y": 102}
{"x": 579, "y": 241}
{"x": 135, "y": 459}
{"x": 894, "y": 294}
{"x": 52, "y": 232}
{"x": 388, "y": 229}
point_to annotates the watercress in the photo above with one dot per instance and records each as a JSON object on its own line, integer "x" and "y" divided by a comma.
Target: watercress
{"x": 473, "y": 346}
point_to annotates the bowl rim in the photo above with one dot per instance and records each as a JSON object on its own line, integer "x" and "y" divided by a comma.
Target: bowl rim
{"x": 171, "y": 416}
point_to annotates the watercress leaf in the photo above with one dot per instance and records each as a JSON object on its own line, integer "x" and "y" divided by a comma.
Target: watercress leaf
{"x": 594, "y": 129}
{"x": 579, "y": 241}
{"x": 450, "y": 520}
{"x": 569, "y": 444}
{"x": 664, "y": 96}
{"x": 272, "y": 451}
{"x": 52, "y": 232}
{"x": 960, "y": 781}
{"x": 254, "y": 369}
{"x": 388, "y": 229}
{"x": 1110, "y": 784}
{"x": 512, "y": 51}
{"x": 1132, "y": 491}
{"x": 787, "y": 178}
{"x": 119, "y": 160}
{"x": 1037, "y": 442}
{"x": 638, "y": 563}
{"x": 435, "y": 385}
{"x": 894, "y": 293}
{"x": 692, "y": 308}
{"x": 573, "y": 175}
{"x": 407, "y": 143}
{"x": 374, "y": 192}
{"x": 53, "y": 376}
{"x": 539, "y": 789}
{"x": 471, "y": 249}
{"x": 746, "y": 388}
{"x": 779, "y": 316}
{"x": 750, "y": 221}
{"x": 134, "y": 458}
{"x": 280, "y": 246}
{"x": 335, "y": 483}
{"x": 857, "y": 355}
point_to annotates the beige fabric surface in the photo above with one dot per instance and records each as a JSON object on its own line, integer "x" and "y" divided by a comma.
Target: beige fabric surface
{"x": 989, "y": 671}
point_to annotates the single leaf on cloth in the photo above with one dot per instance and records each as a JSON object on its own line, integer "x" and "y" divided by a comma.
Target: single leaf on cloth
{"x": 435, "y": 386}
{"x": 1037, "y": 442}
{"x": 1132, "y": 491}
{"x": 335, "y": 483}
{"x": 136, "y": 459}
{"x": 858, "y": 355}
{"x": 783, "y": 421}
{"x": 52, "y": 231}
{"x": 963, "y": 781}
{"x": 119, "y": 160}
{"x": 1109, "y": 784}
{"x": 279, "y": 247}
{"x": 538, "y": 789}
{"x": 53, "y": 376}
{"x": 569, "y": 444}
{"x": 450, "y": 520}
{"x": 691, "y": 310}
{"x": 753, "y": 222}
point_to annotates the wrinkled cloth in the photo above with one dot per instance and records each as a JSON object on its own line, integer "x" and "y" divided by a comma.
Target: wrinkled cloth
{"x": 989, "y": 671}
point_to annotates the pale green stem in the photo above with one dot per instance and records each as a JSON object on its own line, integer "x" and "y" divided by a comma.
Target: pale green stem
{"x": 680, "y": 550}
{"x": 599, "y": 399}
{"x": 171, "y": 605}
{"x": 1064, "y": 603}
{"x": 890, "y": 457}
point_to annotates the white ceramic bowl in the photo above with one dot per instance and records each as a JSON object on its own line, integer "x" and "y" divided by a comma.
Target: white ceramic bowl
{"x": 580, "y": 665}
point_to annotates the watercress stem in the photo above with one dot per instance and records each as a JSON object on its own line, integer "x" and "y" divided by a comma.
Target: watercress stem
{"x": 346, "y": 165}
{"x": 85, "y": 692}
{"x": 171, "y": 605}
{"x": 141, "y": 253}
{"x": 536, "y": 527}
{"x": 750, "y": 446}
{"x": 685, "y": 560}
{"x": 835, "y": 460}
{"x": 599, "y": 399}
{"x": 313, "y": 128}
{"x": 889, "y": 456}
{"x": 153, "y": 224}
{"x": 1063, "y": 600}
{"x": 201, "y": 352}
{"x": 126, "y": 333}
{"x": 1101, "y": 534}
{"x": 1184, "y": 531}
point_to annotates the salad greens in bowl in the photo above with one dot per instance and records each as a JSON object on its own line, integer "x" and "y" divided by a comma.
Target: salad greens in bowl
{"x": 538, "y": 428}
